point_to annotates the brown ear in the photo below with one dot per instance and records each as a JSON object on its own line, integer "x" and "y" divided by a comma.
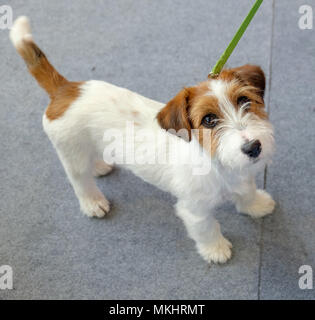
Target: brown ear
{"x": 253, "y": 75}
{"x": 175, "y": 114}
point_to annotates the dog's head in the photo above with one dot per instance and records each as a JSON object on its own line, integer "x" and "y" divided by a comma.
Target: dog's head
{"x": 230, "y": 111}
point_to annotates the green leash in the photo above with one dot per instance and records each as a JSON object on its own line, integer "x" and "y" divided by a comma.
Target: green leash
{"x": 226, "y": 54}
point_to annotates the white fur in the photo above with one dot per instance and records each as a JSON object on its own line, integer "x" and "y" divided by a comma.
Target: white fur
{"x": 78, "y": 136}
{"x": 78, "y": 139}
{"x": 20, "y": 31}
{"x": 262, "y": 204}
{"x": 240, "y": 127}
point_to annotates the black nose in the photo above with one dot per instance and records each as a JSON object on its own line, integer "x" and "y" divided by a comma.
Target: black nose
{"x": 252, "y": 148}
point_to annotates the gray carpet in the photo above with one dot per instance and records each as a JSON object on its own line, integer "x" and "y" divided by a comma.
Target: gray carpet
{"x": 142, "y": 251}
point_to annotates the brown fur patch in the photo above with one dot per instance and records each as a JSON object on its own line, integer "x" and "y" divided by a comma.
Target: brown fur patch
{"x": 186, "y": 111}
{"x": 190, "y": 105}
{"x": 202, "y": 106}
{"x": 249, "y": 75}
{"x": 62, "y": 99}
{"x": 135, "y": 113}
{"x": 62, "y": 92}
{"x": 257, "y": 105}
{"x": 175, "y": 114}
{"x": 39, "y": 66}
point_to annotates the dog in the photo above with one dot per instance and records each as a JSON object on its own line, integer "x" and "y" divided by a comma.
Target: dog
{"x": 228, "y": 112}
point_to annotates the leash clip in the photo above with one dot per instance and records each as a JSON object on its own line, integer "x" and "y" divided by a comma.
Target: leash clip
{"x": 213, "y": 75}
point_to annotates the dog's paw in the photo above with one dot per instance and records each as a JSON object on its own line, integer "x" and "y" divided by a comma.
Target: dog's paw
{"x": 95, "y": 207}
{"x": 261, "y": 206}
{"x": 218, "y": 252}
{"x": 101, "y": 169}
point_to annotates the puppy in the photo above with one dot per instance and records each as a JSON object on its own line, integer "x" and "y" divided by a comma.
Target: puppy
{"x": 221, "y": 122}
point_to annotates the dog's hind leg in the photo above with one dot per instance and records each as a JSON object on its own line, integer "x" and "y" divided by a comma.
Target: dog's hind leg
{"x": 79, "y": 169}
{"x": 101, "y": 168}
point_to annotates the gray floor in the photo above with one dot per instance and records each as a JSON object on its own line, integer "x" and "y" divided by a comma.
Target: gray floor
{"x": 141, "y": 251}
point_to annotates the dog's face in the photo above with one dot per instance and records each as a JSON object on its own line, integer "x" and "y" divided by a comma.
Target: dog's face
{"x": 231, "y": 113}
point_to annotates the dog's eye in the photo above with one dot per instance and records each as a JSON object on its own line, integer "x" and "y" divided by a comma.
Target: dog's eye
{"x": 210, "y": 120}
{"x": 242, "y": 100}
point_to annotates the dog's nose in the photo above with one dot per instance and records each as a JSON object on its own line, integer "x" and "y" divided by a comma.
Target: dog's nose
{"x": 252, "y": 148}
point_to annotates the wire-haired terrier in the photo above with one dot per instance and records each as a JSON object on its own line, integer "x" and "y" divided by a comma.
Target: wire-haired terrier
{"x": 228, "y": 112}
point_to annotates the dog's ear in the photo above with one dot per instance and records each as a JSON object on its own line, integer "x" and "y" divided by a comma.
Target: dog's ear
{"x": 175, "y": 115}
{"x": 253, "y": 75}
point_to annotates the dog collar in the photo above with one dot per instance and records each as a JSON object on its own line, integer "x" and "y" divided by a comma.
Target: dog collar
{"x": 238, "y": 35}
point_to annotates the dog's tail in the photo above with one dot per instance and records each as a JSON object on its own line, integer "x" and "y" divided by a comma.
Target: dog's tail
{"x": 36, "y": 61}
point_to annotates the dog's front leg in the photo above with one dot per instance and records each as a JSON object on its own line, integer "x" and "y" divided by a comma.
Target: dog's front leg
{"x": 204, "y": 229}
{"x": 255, "y": 202}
